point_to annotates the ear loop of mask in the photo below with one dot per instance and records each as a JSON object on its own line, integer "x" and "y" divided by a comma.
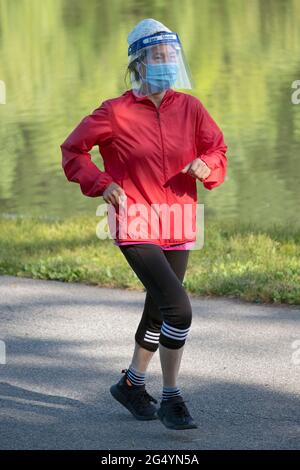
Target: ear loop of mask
{"x": 139, "y": 70}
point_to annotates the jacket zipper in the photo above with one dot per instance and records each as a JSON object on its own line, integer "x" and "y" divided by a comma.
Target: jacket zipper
{"x": 163, "y": 153}
{"x": 162, "y": 146}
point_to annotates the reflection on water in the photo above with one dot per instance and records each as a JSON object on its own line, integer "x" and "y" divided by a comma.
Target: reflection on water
{"x": 60, "y": 59}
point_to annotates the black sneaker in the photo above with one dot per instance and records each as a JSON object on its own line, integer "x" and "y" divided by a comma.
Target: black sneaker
{"x": 174, "y": 414}
{"x": 135, "y": 399}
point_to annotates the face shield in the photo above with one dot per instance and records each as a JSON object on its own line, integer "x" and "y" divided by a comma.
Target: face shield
{"x": 157, "y": 62}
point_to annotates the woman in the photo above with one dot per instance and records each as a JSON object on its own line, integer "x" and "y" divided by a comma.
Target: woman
{"x": 155, "y": 143}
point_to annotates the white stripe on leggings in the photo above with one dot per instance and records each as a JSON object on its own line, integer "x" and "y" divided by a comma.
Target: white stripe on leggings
{"x": 174, "y": 333}
{"x": 151, "y": 337}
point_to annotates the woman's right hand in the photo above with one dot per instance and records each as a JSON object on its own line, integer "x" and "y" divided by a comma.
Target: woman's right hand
{"x": 114, "y": 194}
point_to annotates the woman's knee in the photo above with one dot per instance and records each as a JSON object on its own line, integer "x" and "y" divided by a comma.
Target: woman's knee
{"x": 177, "y": 320}
{"x": 179, "y": 310}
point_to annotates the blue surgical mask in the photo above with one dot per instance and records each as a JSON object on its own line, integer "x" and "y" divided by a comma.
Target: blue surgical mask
{"x": 161, "y": 75}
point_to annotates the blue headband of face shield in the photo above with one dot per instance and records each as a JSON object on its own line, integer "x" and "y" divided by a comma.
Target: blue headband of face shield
{"x": 157, "y": 38}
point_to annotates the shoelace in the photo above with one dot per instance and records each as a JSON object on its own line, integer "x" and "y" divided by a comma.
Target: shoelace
{"x": 180, "y": 409}
{"x": 141, "y": 395}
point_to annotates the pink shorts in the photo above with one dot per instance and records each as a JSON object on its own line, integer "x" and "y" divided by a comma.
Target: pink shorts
{"x": 180, "y": 246}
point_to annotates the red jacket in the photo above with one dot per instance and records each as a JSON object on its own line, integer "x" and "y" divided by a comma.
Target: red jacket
{"x": 144, "y": 150}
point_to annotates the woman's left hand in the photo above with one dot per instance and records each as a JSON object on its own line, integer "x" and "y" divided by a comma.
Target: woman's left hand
{"x": 197, "y": 168}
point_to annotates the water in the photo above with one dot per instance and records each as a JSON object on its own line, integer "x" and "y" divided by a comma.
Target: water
{"x": 60, "y": 59}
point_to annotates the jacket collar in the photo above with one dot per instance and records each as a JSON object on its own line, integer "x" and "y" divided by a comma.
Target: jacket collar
{"x": 169, "y": 93}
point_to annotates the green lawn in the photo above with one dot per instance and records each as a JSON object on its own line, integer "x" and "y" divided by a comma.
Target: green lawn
{"x": 236, "y": 261}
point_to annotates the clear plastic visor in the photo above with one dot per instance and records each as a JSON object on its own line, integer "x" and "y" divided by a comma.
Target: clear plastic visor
{"x": 157, "y": 67}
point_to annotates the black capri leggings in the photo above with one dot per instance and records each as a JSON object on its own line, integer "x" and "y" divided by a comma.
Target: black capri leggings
{"x": 167, "y": 314}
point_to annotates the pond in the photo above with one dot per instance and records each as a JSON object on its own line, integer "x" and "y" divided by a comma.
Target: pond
{"x": 59, "y": 59}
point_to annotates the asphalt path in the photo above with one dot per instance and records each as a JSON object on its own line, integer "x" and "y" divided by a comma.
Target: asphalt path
{"x": 63, "y": 345}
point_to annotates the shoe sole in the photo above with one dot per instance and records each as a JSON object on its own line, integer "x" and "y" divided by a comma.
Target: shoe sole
{"x": 176, "y": 426}
{"x": 117, "y": 394}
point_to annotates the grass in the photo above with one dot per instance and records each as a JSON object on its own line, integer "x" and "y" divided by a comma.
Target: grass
{"x": 236, "y": 261}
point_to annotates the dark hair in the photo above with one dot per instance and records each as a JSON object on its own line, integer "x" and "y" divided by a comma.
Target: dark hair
{"x": 131, "y": 68}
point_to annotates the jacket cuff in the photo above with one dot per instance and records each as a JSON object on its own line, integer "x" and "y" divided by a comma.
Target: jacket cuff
{"x": 99, "y": 186}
